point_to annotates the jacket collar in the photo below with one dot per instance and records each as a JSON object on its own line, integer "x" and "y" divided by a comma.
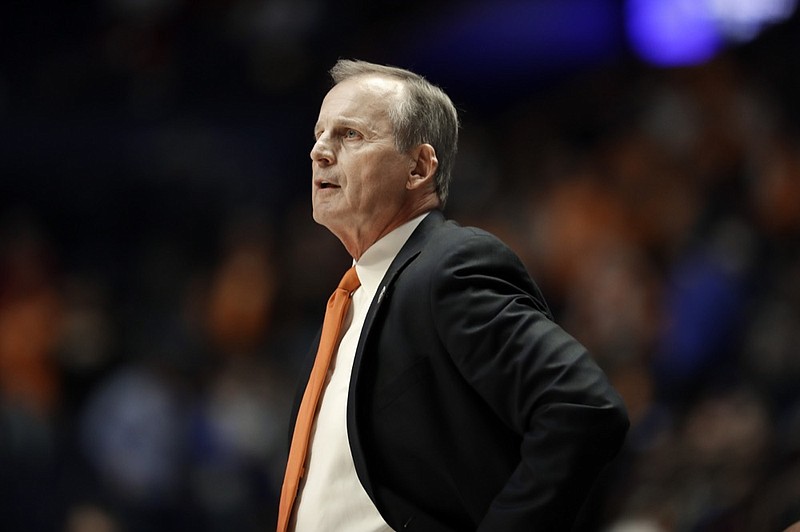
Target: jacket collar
{"x": 405, "y": 256}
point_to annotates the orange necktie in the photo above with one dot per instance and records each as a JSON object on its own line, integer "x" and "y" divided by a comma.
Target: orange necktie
{"x": 331, "y": 328}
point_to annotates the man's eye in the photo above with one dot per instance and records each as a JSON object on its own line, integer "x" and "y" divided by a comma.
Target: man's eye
{"x": 351, "y": 134}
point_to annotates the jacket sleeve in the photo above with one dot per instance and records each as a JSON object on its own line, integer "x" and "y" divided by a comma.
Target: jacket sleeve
{"x": 537, "y": 378}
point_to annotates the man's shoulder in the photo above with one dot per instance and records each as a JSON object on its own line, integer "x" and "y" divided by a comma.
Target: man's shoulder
{"x": 437, "y": 225}
{"x": 450, "y": 235}
{"x": 438, "y": 241}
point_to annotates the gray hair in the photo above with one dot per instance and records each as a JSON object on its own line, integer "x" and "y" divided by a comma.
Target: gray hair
{"x": 425, "y": 115}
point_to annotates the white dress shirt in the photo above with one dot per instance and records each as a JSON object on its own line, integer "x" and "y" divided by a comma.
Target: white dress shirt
{"x": 331, "y": 497}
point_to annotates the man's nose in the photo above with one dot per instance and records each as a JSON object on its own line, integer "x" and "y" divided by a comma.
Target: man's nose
{"x": 321, "y": 152}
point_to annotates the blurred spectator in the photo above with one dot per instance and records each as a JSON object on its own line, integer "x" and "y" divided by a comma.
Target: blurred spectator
{"x": 131, "y": 434}
{"x": 30, "y": 327}
{"x": 30, "y": 319}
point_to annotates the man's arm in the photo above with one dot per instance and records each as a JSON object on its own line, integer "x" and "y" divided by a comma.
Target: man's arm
{"x": 535, "y": 376}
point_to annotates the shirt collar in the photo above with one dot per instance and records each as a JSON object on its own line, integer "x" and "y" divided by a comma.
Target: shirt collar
{"x": 375, "y": 261}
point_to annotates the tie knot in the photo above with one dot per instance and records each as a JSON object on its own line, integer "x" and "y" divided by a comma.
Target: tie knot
{"x": 350, "y": 281}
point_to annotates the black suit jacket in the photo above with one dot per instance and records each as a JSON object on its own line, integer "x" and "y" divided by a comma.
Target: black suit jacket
{"x": 469, "y": 408}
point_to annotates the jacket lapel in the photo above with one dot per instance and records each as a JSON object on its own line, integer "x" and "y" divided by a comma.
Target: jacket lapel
{"x": 406, "y": 256}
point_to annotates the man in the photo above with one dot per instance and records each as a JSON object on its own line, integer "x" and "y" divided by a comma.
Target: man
{"x": 453, "y": 401}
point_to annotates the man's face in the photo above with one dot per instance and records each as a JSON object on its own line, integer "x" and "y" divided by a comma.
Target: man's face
{"x": 359, "y": 176}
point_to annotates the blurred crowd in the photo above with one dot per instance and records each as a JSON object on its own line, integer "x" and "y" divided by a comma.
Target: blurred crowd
{"x": 146, "y": 376}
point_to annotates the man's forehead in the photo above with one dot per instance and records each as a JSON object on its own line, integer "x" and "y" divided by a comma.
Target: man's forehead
{"x": 361, "y": 98}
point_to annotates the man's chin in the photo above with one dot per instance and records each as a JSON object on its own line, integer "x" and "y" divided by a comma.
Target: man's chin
{"x": 324, "y": 217}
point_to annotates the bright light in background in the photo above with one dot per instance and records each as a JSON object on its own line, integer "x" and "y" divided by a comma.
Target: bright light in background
{"x": 741, "y": 20}
{"x": 684, "y": 32}
{"x": 671, "y": 32}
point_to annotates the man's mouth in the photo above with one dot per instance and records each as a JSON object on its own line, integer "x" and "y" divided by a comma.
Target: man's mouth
{"x": 327, "y": 184}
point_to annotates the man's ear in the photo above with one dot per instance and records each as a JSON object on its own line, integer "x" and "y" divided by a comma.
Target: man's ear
{"x": 423, "y": 166}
